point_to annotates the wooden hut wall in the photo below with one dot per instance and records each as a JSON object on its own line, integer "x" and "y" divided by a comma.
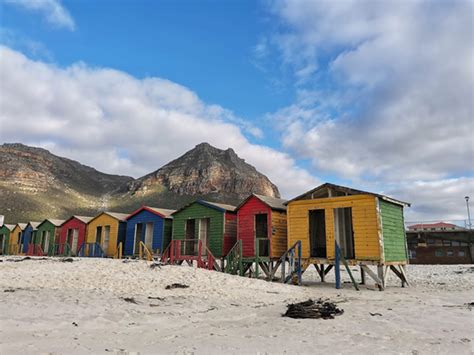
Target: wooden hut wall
{"x": 167, "y": 233}
{"x": 230, "y": 232}
{"x": 4, "y": 239}
{"x": 116, "y": 233}
{"x": 393, "y": 229}
{"x": 71, "y": 224}
{"x": 43, "y": 229}
{"x": 278, "y": 245}
{"x": 144, "y": 217}
{"x": 246, "y": 224}
{"x": 28, "y": 237}
{"x": 364, "y": 221}
{"x": 15, "y": 240}
{"x": 198, "y": 211}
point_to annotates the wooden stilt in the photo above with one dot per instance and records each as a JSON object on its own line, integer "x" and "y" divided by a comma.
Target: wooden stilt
{"x": 372, "y": 274}
{"x": 362, "y": 275}
{"x": 380, "y": 274}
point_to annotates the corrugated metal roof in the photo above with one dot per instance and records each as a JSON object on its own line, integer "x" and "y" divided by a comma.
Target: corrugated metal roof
{"x": 21, "y": 225}
{"x": 116, "y": 215}
{"x": 34, "y": 224}
{"x": 83, "y": 219}
{"x": 275, "y": 203}
{"x": 348, "y": 190}
{"x": 165, "y": 212}
{"x": 9, "y": 226}
{"x": 222, "y": 206}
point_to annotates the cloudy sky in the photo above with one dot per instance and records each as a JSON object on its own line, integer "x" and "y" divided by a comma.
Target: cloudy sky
{"x": 376, "y": 95}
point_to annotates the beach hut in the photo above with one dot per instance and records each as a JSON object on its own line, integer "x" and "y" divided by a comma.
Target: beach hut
{"x": 150, "y": 225}
{"x": 5, "y": 231}
{"x": 16, "y": 239}
{"x": 212, "y": 225}
{"x": 262, "y": 225}
{"x": 29, "y": 234}
{"x": 73, "y": 234}
{"x": 367, "y": 228}
{"x": 107, "y": 230}
{"x": 47, "y": 235}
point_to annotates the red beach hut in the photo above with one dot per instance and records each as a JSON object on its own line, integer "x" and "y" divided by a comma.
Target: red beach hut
{"x": 73, "y": 232}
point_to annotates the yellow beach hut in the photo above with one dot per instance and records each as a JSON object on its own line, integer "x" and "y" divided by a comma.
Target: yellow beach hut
{"x": 108, "y": 230}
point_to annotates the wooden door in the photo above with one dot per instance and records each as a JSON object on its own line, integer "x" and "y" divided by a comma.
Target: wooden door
{"x": 105, "y": 246}
{"x": 204, "y": 233}
{"x": 46, "y": 241}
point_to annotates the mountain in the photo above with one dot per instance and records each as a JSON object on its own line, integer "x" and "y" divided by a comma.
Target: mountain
{"x": 35, "y": 184}
{"x": 207, "y": 170}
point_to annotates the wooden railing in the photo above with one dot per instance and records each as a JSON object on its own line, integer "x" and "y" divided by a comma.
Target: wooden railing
{"x": 61, "y": 249}
{"x": 91, "y": 250}
{"x": 118, "y": 254}
{"x": 233, "y": 260}
{"x": 35, "y": 250}
{"x": 293, "y": 257}
{"x": 144, "y": 252}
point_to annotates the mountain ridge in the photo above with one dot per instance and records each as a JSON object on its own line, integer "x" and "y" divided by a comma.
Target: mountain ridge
{"x": 35, "y": 184}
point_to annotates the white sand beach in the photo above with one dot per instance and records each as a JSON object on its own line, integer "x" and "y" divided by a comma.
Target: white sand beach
{"x": 49, "y": 306}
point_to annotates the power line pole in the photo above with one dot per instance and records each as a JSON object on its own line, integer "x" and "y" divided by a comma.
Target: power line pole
{"x": 468, "y": 213}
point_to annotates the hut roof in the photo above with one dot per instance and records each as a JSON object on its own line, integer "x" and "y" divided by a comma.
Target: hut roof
{"x": 322, "y": 191}
{"x": 10, "y": 227}
{"x": 163, "y": 212}
{"x": 116, "y": 215}
{"x": 21, "y": 225}
{"x": 54, "y": 222}
{"x": 272, "y": 202}
{"x": 83, "y": 219}
{"x": 218, "y": 206}
{"x": 34, "y": 225}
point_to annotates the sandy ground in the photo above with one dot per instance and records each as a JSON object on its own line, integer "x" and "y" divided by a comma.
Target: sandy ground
{"x": 48, "y": 306}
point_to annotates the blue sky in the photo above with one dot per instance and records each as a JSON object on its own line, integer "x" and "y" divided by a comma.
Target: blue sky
{"x": 307, "y": 91}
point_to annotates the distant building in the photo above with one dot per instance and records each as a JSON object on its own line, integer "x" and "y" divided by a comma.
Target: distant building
{"x": 438, "y": 227}
{"x": 440, "y": 243}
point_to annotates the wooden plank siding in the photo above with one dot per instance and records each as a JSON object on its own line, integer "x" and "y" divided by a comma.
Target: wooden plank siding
{"x": 246, "y": 224}
{"x": 117, "y": 231}
{"x": 15, "y": 240}
{"x": 73, "y": 223}
{"x": 279, "y": 232}
{"x": 216, "y": 225}
{"x": 167, "y": 233}
{"x": 144, "y": 217}
{"x": 393, "y": 229}
{"x": 230, "y": 232}
{"x": 5, "y": 238}
{"x": 364, "y": 217}
{"x": 54, "y": 234}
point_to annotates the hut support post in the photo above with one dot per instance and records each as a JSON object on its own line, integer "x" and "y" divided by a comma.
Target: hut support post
{"x": 336, "y": 266}
{"x": 362, "y": 275}
{"x": 372, "y": 274}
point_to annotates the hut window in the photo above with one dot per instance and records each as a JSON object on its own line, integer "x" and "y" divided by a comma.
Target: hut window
{"x": 344, "y": 232}
{"x": 439, "y": 253}
{"x": 455, "y": 243}
{"x": 450, "y": 253}
{"x": 412, "y": 254}
{"x": 317, "y": 232}
{"x": 461, "y": 253}
{"x": 138, "y": 237}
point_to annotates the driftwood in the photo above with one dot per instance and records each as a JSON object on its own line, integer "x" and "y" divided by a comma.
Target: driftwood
{"x": 175, "y": 285}
{"x": 130, "y": 300}
{"x": 313, "y": 309}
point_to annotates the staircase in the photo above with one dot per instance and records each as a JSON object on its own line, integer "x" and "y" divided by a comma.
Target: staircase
{"x": 92, "y": 250}
{"x": 189, "y": 251}
{"x": 233, "y": 261}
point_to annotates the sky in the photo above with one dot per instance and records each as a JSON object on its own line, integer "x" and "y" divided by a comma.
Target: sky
{"x": 375, "y": 95}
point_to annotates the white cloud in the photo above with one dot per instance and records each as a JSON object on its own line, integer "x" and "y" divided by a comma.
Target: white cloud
{"x": 385, "y": 93}
{"x": 52, "y": 10}
{"x": 119, "y": 124}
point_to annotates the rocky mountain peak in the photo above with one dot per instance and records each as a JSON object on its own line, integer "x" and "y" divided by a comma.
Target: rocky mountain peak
{"x": 204, "y": 170}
